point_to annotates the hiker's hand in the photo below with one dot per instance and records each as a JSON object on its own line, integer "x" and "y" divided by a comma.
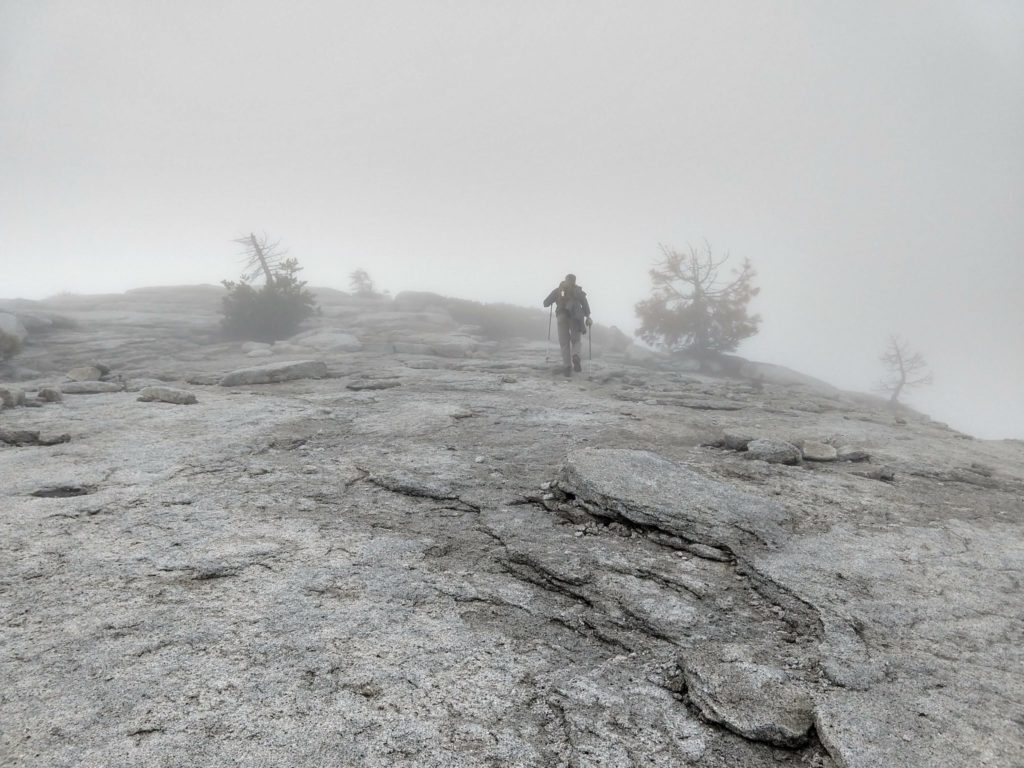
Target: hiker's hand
{"x": 589, "y": 322}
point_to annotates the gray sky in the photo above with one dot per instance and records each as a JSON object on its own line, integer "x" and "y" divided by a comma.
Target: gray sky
{"x": 867, "y": 157}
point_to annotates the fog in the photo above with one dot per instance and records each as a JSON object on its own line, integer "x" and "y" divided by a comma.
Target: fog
{"x": 868, "y": 158}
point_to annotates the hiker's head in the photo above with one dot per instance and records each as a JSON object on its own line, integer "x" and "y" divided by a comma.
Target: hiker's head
{"x": 570, "y": 280}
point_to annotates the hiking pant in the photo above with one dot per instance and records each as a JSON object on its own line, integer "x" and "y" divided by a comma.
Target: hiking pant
{"x": 569, "y": 338}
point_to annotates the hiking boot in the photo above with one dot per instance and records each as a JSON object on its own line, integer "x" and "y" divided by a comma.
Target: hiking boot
{"x": 576, "y": 365}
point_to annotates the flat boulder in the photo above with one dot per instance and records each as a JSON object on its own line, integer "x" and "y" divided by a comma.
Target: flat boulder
{"x": 167, "y": 395}
{"x": 774, "y": 451}
{"x": 275, "y": 372}
{"x": 90, "y": 387}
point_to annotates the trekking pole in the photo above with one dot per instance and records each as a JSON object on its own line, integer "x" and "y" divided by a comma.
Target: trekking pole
{"x": 547, "y": 352}
{"x": 590, "y": 350}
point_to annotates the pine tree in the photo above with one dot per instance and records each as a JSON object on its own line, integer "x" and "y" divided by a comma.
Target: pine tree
{"x": 691, "y": 309}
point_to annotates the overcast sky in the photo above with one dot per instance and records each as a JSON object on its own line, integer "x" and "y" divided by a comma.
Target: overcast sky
{"x": 867, "y": 157}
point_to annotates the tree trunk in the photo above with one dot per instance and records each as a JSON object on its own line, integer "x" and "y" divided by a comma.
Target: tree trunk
{"x": 263, "y": 261}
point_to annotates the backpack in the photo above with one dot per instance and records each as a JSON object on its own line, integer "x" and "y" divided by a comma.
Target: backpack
{"x": 571, "y": 302}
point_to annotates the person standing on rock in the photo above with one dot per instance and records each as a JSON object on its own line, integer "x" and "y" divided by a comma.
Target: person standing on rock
{"x": 573, "y": 312}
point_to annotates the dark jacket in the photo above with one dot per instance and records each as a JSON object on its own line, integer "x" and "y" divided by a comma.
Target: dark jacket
{"x": 569, "y": 301}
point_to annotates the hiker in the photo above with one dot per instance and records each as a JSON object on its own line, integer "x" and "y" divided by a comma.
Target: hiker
{"x": 573, "y": 313}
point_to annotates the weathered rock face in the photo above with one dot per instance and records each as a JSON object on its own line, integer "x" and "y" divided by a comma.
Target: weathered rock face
{"x": 758, "y": 702}
{"x": 463, "y": 561}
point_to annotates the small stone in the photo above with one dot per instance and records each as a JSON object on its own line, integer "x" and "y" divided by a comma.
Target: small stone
{"x": 479, "y": 460}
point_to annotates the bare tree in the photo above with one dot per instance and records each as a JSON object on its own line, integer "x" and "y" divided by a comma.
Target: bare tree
{"x": 262, "y": 256}
{"x": 904, "y": 369}
{"x": 360, "y": 283}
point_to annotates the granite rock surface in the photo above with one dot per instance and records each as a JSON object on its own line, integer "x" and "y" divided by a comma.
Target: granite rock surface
{"x": 449, "y": 555}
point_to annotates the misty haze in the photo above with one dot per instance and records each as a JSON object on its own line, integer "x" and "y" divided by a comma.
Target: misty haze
{"x": 533, "y": 384}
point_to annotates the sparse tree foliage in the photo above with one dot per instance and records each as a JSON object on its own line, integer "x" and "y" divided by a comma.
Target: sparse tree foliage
{"x": 692, "y": 308}
{"x": 274, "y": 310}
{"x": 904, "y": 369}
{"x": 359, "y": 283}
